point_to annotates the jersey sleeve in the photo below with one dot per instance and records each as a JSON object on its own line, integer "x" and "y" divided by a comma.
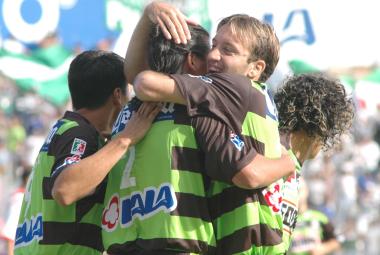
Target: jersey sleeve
{"x": 70, "y": 147}
{"x": 223, "y": 96}
{"x": 226, "y": 153}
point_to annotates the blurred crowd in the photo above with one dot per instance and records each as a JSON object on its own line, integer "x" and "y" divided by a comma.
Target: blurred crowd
{"x": 344, "y": 183}
{"x": 25, "y": 119}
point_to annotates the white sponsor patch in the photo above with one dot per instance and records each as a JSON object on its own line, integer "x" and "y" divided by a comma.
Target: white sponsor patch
{"x": 79, "y": 146}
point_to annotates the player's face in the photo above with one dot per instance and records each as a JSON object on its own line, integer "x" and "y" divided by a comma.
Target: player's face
{"x": 228, "y": 53}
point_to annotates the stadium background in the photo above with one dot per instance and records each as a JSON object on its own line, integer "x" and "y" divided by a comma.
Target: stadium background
{"x": 38, "y": 39}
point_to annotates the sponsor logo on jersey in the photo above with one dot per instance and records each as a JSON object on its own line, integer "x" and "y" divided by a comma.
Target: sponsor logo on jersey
{"x": 28, "y": 231}
{"x": 237, "y": 141}
{"x": 273, "y": 197}
{"x": 289, "y": 215}
{"x": 290, "y": 198}
{"x": 110, "y": 215}
{"x": 71, "y": 160}
{"x": 79, "y": 146}
{"x": 140, "y": 205}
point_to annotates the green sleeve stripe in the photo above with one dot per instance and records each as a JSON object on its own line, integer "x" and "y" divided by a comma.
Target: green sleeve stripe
{"x": 246, "y": 215}
{"x": 257, "y": 86}
{"x": 68, "y": 124}
{"x": 265, "y": 134}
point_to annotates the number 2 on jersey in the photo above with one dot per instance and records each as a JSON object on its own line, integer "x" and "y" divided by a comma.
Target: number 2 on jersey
{"x": 126, "y": 180}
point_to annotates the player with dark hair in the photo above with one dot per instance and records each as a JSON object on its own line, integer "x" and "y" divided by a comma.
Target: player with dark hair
{"x": 165, "y": 56}
{"x": 61, "y": 208}
{"x": 155, "y": 201}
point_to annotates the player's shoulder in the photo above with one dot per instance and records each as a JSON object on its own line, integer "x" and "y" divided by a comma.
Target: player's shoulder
{"x": 229, "y": 78}
{"x": 76, "y": 125}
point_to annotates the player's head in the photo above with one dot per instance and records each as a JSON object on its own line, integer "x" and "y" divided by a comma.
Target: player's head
{"x": 315, "y": 105}
{"x": 95, "y": 76}
{"x": 168, "y": 57}
{"x": 246, "y": 46}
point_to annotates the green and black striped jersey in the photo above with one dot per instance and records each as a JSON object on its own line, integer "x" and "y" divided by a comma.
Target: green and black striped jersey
{"x": 231, "y": 109}
{"x": 45, "y": 227}
{"x": 155, "y": 199}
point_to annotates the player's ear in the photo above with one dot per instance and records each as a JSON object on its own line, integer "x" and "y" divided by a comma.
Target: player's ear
{"x": 255, "y": 69}
{"x": 195, "y": 65}
{"x": 118, "y": 97}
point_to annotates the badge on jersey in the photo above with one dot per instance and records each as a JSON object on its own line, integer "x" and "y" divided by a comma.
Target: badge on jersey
{"x": 237, "y": 141}
{"x": 79, "y": 146}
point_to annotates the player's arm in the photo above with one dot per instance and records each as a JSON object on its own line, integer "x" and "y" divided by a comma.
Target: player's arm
{"x": 261, "y": 171}
{"x": 232, "y": 159}
{"x": 157, "y": 87}
{"x": 79, "y": 179}
{"x": 173, "y": 25}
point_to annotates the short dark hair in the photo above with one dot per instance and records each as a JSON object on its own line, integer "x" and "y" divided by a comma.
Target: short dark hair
{"x": 260, "y": 38}
{"x": 93, "y": 76}
{"x": 168, "y": 57}
{"x": 316, "y": 104}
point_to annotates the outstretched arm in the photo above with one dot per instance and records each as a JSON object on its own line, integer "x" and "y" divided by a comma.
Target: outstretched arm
{"x": 73, "y": 182}
{"x": 171, "y": 21}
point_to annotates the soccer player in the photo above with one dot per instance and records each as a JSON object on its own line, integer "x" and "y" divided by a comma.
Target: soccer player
{"x": 155, "y": 200}
{"x": 61, "y": 208}
{"x": 314, "y": 112}
{"x": 131, "y": 224}
{"x": 245, "y": 221}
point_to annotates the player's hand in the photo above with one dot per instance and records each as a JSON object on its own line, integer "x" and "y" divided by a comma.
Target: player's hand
{"x": 141, "y": 121}
{"x": 172, "y": 22}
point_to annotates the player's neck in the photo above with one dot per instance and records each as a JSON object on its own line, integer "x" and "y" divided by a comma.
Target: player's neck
{"x": 300, "y": 144}
{"x": 100, "y": 118}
